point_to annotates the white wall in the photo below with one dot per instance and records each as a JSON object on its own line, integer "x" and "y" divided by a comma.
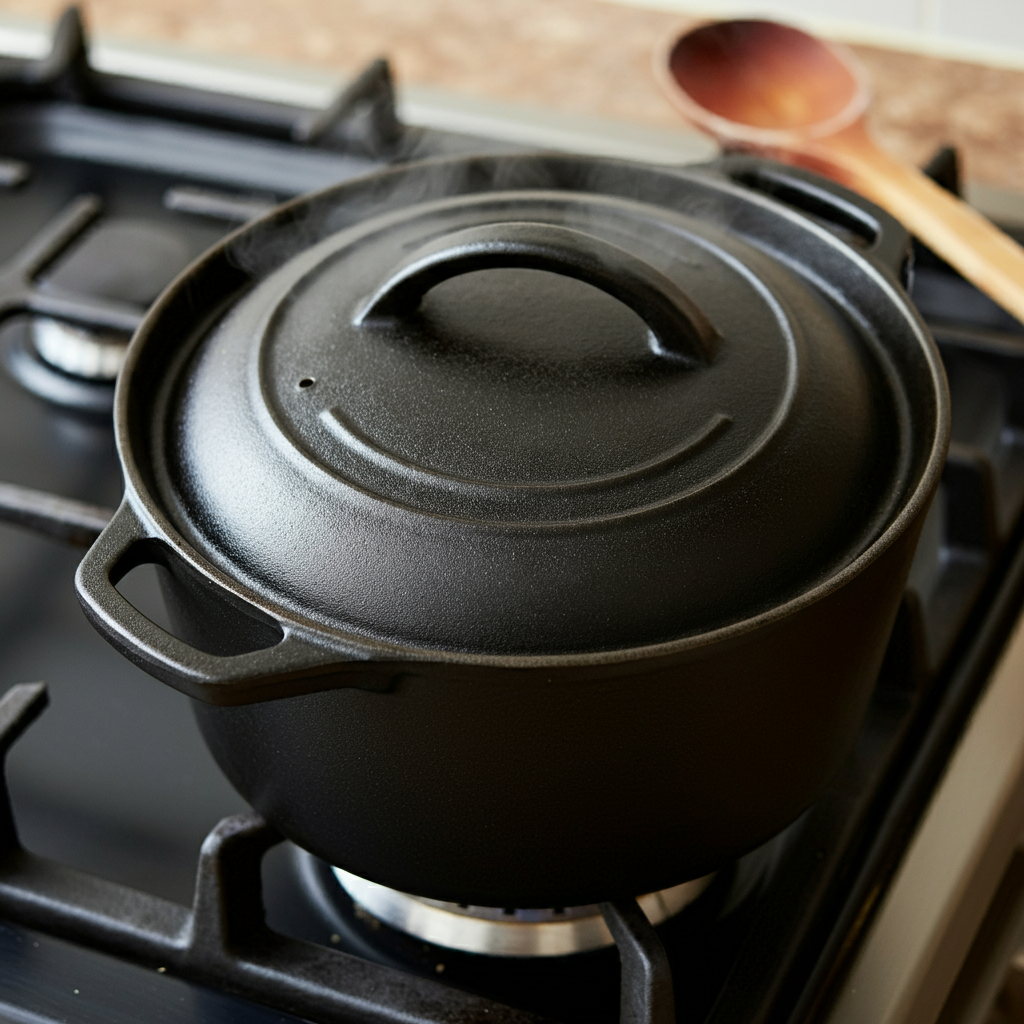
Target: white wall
{"x": 998, "y": 22}
{"x": 990, "y": 31}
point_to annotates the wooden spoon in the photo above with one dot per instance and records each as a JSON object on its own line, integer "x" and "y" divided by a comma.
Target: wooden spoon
{"x": 772, "y": 89}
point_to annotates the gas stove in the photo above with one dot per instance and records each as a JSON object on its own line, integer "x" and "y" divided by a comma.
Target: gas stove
{"x": 152, "y": 892}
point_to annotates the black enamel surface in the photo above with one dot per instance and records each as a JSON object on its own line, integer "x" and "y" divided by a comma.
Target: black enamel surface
{"x": 48, "y": 981}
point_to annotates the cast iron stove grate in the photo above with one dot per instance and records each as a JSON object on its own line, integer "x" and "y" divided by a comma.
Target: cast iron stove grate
{"x": 90, "y": 158}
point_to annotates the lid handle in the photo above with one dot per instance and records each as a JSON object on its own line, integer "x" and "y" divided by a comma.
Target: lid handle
{"x": 679, "y": 326}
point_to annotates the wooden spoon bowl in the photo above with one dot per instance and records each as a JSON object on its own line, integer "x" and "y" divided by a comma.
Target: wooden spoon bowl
{"x": 770, "y": 88}
{"x": 767, "y": 81}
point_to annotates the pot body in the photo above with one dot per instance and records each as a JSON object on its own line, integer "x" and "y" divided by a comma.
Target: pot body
{"x": 441, "y": 760}
{"x": 567, "y": 786}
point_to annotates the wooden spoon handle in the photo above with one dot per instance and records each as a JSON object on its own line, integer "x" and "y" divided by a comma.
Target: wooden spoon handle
{"x": 989, "y": 259}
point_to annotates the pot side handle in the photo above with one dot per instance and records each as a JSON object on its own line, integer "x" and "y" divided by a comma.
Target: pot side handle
{"x": 885, "y": 240}
{"x": 290, "y": 663}
{"x": 681, "y": 328}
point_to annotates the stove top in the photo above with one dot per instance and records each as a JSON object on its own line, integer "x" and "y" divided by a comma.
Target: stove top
{"x": 109, "y": 185}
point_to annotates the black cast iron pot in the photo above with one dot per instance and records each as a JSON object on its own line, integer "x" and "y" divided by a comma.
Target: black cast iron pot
{"x": 533, "y": 526}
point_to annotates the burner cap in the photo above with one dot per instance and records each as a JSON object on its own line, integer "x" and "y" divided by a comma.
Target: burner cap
{"x": 510, "y": 932}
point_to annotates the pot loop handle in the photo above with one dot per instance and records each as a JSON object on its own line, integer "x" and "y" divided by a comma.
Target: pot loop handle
{"x": 681, "y": 328}
{"x": 296, "y": 664}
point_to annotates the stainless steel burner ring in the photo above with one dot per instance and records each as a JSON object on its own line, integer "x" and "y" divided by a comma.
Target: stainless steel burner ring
{"x": 513, "y": 932}
{"x": 77, "y": 351}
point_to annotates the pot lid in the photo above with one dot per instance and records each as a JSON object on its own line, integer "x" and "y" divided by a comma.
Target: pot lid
{"x": 520, "y": 410}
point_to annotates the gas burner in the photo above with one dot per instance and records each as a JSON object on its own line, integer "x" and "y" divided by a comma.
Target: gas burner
{"x": 67, "y": 366}
{"x": 510, "y": 932}
{"x": 64, "y": 364}
{"x": 79, "y": 352}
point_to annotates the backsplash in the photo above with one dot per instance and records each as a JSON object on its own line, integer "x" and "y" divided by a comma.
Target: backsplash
{"x": 987, "y": 31}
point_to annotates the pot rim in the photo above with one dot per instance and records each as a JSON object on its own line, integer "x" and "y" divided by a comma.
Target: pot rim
{"x": 151, "y": 516}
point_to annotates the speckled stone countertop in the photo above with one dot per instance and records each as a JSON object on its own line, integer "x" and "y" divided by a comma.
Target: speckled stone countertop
{"x": 575, "y": 56}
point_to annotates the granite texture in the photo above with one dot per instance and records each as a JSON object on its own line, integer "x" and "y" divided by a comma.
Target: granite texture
{"x": 584, "y": 56}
